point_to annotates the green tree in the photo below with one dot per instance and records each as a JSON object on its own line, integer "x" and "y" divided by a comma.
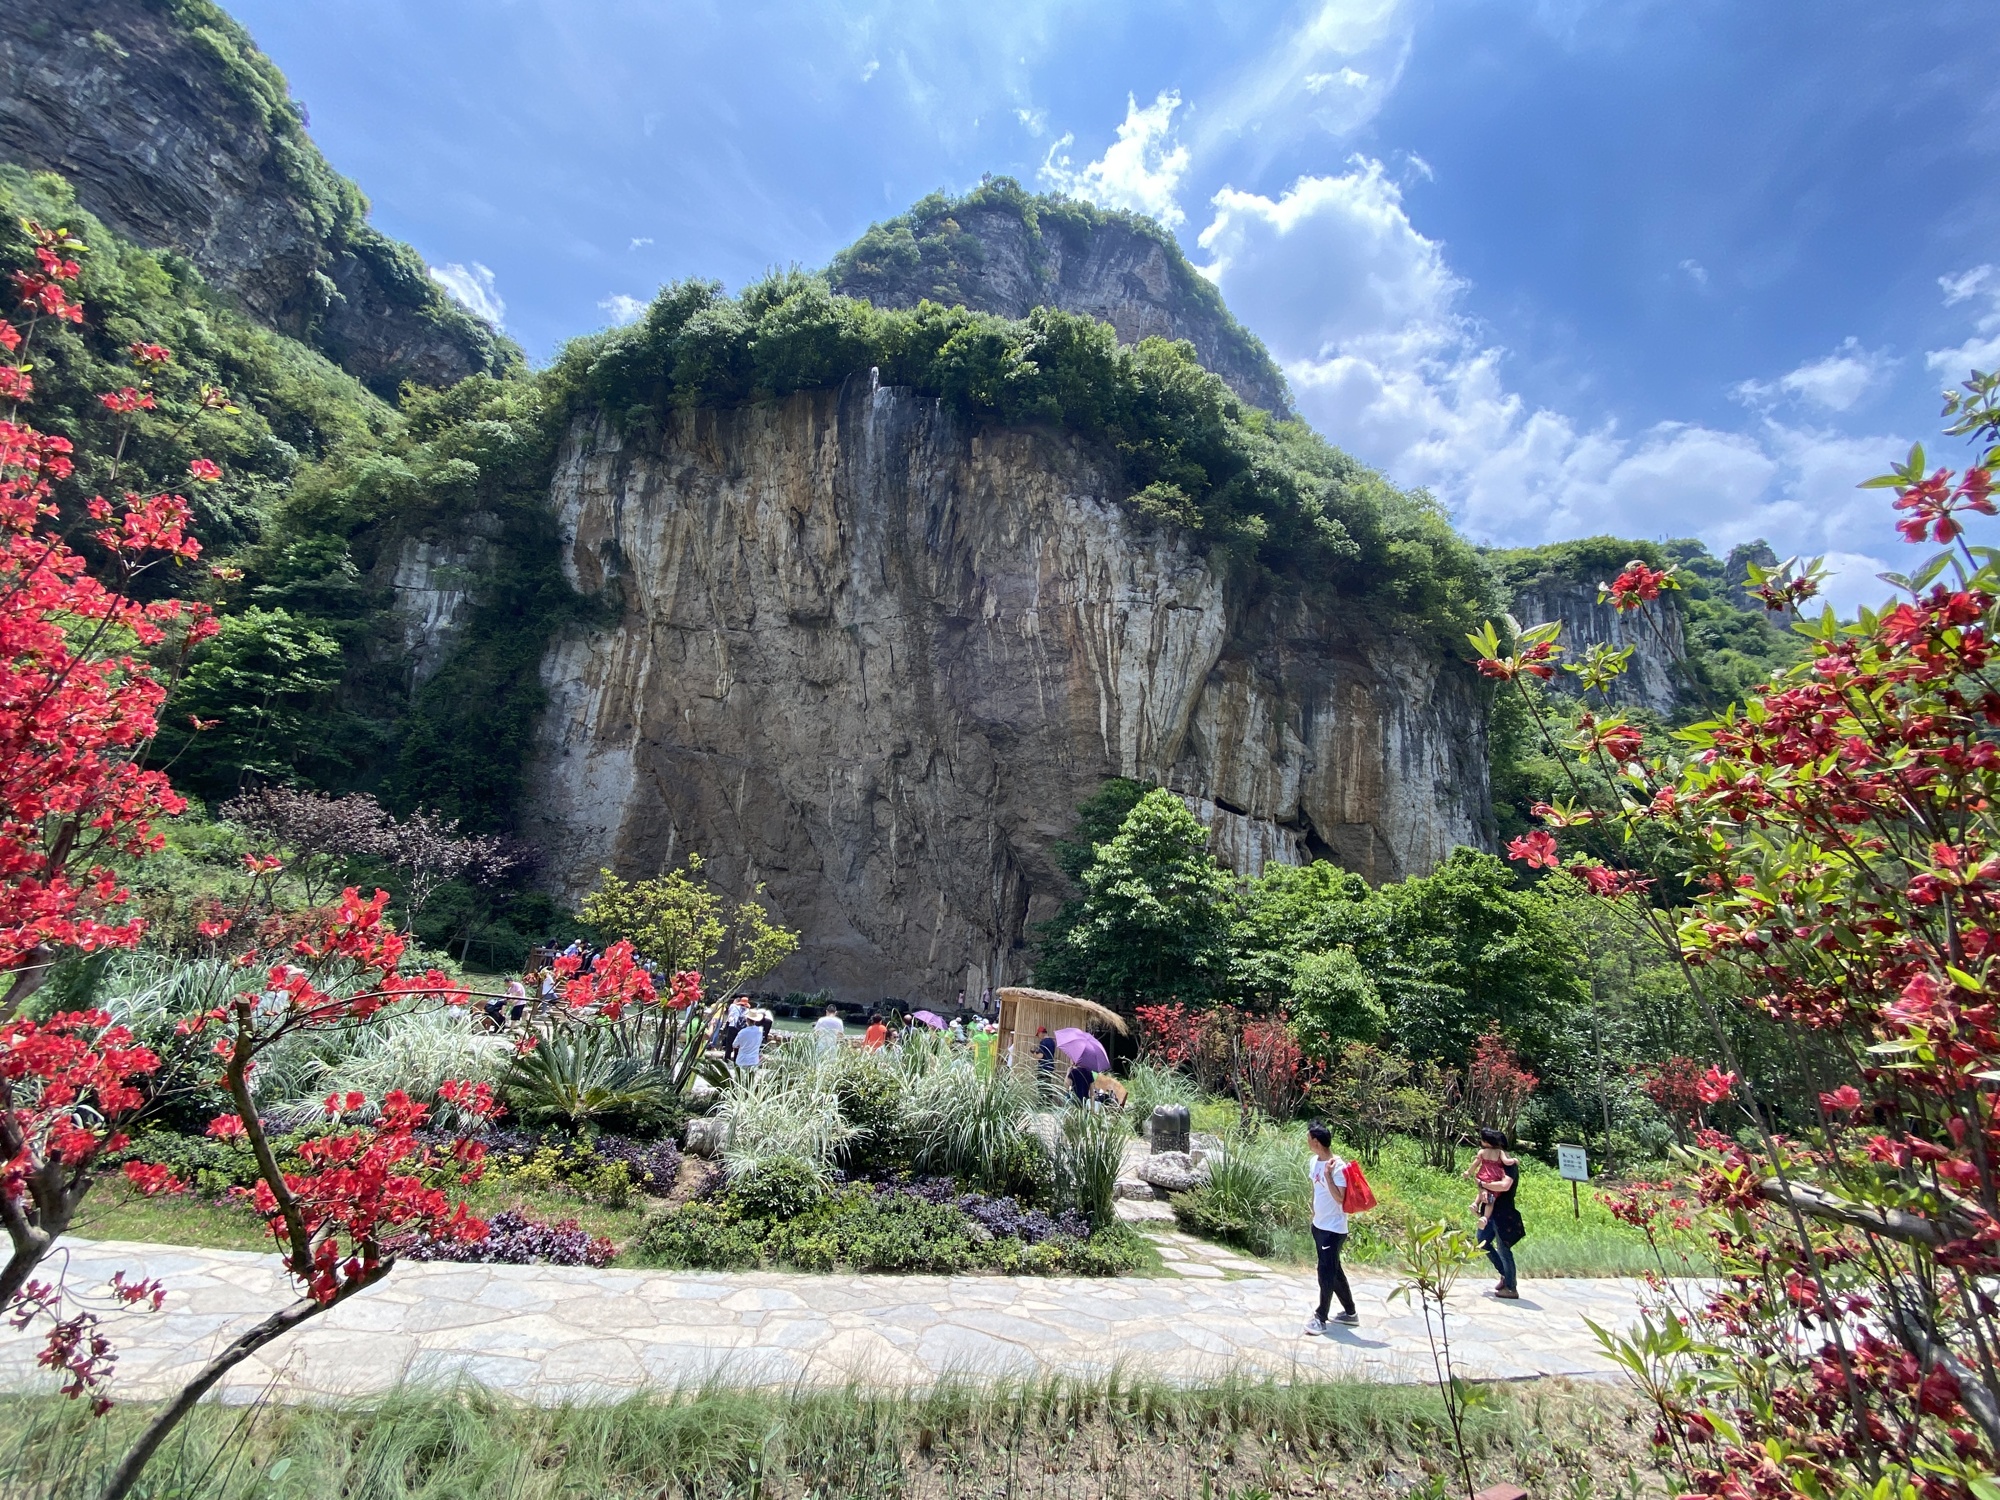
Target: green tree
{"x": 1154, "y": 919}
{"x": 1463, "y": 947}
{"x": 262, "y": 690}
{"x": 682, "y": 923}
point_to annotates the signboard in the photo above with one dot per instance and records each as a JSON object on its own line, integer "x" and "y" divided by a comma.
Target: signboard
{"x": 1572, "y": 1164}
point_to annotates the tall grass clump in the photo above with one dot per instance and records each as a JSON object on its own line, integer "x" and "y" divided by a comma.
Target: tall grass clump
{"x": 1088, "y": 1147}
{"x": 969, "y": 1124}
{"x": 1119, "y": 1434}
{"x": 788, "y": 1108}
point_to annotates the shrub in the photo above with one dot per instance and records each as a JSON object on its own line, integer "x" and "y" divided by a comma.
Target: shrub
{"x": 1214, "y": 1217}
{"x": 779, "y": 1188}
{"x": 1496, "y": 1083}
{"x": 572, "y": 1169}
{"x": 514, "y": 1239}
{"x": 1368, "y": 1097}
{"x": 702, "y": 1236}
{"x": 868, "y": 1231}
{"x": 868, "y": 1090}
{"x": 654, "y": 1166}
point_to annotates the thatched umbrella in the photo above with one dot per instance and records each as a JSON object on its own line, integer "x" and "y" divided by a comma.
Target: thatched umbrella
{"x": 1023, "y": 1012}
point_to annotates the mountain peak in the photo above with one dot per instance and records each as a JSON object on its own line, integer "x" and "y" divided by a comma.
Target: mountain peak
{"x": 1000, "y": 249}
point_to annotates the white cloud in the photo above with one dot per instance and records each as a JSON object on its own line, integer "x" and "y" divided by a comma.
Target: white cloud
{"x": 1330, "y": 73}
{"x": 623, "y": 309}
{"x": 1982, "y": 351}
{"x": 1365, "y": 313}
{"x": 870, "y": 68}
{"x": 473, "y": 289}
{"x": 1140, "y": 170}
{"x": 640, "y": 241}
{"x": 1034, "y": 121}
{"x": 1834, "y": 383}
{"x": 1319, "y": 83}
{"x": 1697, "y": 271}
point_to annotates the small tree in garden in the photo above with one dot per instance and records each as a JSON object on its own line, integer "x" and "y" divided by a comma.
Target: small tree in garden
{"x": 1368, "y": 1097}
{"x": 1153, "y": 923}
{"x": 314, "y": 834}
{"x": 1840, "y": 839}
{"x": 1273, "y": 1071}
{"x": 78, "y": 701}
{"x": 1496, "y": 1085}
{"x": 1676, "y": 1086}
{"x": 684, "y": 925}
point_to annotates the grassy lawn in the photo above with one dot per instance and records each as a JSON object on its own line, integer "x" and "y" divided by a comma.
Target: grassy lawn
{"x": 1562, "y": 1241}
{"x": 1052, "y": 1440}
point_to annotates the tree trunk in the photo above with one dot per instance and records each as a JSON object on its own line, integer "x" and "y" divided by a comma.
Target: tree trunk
{"x": 273, "y": 1327}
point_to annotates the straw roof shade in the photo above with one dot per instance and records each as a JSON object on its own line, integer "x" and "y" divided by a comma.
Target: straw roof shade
{"x": 1023, "y": 1011}
{"x": 1101, "y": 1015}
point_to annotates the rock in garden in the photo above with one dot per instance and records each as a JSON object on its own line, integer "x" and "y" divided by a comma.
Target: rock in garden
{"x": 1173, "y": 1172}
{"x": 1132, "y": 1187}
{"x": 706, "y": 1137}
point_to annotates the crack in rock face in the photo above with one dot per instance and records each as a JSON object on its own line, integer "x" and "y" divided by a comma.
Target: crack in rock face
{"x": 872, "y": 655}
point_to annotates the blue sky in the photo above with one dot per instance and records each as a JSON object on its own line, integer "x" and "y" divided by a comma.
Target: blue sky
{"x": 1578, "y": 266}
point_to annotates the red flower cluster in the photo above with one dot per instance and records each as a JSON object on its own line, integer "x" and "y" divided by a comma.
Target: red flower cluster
{"x": 1931, "y": 506}
{"x": 1638, "y": 585}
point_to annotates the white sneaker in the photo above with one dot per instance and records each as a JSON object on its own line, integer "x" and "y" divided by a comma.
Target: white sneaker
{"x": 1315, "y": 1326}
{"x": 1352, "y": 1320}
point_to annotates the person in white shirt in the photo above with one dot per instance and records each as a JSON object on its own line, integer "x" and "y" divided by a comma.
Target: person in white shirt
{"x": 1329, "y": 1228}
{"x": 827, "y": 1030}
{"x": 750, "y": 1046}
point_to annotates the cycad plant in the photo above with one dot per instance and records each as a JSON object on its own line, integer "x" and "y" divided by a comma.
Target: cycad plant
{"x": 577, "y": 1077}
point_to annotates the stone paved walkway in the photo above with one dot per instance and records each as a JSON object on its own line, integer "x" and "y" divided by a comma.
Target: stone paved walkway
{"x": 547, "y": 1333}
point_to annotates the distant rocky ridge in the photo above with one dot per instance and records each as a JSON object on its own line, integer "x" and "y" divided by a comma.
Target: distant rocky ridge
{"x": 172, "y": 128}
{"x": 1003, "y": 251}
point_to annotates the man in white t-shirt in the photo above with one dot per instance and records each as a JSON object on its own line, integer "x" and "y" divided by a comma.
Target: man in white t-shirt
{"x": 827, "y": 1030}
{"x": 750, "y": 1045}
{"x": 1329, "y": 1228}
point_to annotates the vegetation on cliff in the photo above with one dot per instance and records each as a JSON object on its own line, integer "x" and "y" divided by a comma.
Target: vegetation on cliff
{"x": 331, "y": 208}
{"x": 929, "y": 254}
{"x": 1274, "y": 499}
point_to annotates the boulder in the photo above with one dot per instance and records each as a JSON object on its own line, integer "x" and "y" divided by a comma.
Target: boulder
{"x": 706, "y": 1136}
{"x": 1173, "y": 1172}
{"x": 1132, "y": 1187}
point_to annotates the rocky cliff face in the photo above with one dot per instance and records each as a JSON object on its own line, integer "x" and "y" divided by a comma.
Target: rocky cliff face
{"x": 176, "y": 132}
{"x": 872, "y": 656}
{"x": 993, "y": 252}
{"x": 1654, "y": 632}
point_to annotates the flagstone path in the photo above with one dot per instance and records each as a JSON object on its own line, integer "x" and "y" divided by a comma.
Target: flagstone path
{"x": 547, "y": 1333}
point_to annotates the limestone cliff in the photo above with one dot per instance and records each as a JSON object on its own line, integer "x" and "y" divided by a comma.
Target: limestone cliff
{"x": 872, "y": 655}
{"x": 1654, "y": 632}
{"x": 1001, "y": 251}
{"x": 176, "y": 132}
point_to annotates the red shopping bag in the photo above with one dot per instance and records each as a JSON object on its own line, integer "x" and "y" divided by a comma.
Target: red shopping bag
{"x": 1360, "y": 1196}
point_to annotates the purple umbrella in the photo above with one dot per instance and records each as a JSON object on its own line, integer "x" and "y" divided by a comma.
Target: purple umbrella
{"x": 1079, "y": 1046}
{"x": 929, "y": 1018}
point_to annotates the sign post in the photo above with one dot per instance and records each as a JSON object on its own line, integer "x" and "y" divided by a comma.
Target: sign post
{"x": 1574, "y": 1165}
